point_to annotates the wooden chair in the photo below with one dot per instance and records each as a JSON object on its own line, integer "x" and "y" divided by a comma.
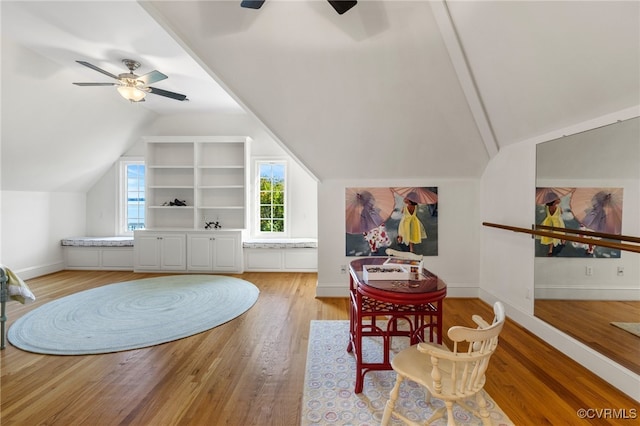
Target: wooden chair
{"x": 452, "y": 376}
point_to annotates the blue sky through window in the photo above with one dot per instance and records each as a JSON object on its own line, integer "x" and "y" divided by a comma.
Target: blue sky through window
{"x": 135, "y": 197}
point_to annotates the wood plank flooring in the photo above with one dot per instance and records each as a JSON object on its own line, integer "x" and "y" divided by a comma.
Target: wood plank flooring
{"x": 250, "y": 371}
{"x": 589, "y": 322}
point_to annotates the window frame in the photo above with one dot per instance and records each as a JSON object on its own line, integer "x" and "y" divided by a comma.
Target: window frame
{"x": 124, "y": 162}
{"x": 256, "y": 210}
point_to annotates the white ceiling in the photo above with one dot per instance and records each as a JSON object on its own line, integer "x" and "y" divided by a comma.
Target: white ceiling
{"x": 390, "y": 89}
{"x": 105, "y": 33}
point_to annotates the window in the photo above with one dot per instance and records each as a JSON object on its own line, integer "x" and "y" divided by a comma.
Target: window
{"x": 132, "y": 196}
{"x": 272, "y": 196}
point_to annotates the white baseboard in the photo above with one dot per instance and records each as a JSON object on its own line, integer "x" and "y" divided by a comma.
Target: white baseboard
{"x": 333, "y": 290}
{"x": 38, "y": 271}
{"x": 605, "y": 293}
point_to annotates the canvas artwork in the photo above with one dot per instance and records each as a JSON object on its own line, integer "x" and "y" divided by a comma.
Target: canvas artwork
{"x": 587, "y": 209}
{"x": 401, "y": 218}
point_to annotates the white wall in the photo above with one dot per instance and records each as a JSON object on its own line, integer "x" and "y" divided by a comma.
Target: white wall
{"x": 33, "y": 223}
{"x": 507, "y": 259}
{"x": 458, "y": 257}
{"x": 102, "y": 206}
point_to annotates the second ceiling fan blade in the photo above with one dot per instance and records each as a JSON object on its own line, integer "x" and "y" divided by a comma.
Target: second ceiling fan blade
{"x": 93, "y": 67}
{"x": 167, "y": 94}
{"x": 341, "y": 6}
{"x": 252, "y": 4}
{"x": 152, "y": 77}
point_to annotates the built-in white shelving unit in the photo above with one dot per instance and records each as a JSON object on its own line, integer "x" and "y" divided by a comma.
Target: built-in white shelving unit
{"x": 209, "y": 174}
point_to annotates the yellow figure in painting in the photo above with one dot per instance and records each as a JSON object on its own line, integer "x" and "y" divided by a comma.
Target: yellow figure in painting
{"x": 410, "y": 230}
{"x": 553, "y": 218}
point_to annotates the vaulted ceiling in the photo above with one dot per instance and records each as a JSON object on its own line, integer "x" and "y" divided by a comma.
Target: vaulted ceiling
{"x": 401, "y": 89}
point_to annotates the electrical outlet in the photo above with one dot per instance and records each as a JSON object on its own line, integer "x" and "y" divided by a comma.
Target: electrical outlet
{"x": 343, "y": 269}
{"x": 620, "y": 271}
{"x": 588, "y": 271}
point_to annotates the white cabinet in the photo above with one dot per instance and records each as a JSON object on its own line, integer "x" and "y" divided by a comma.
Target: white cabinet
{"x": 196, "y": 251}
{"x": 207, "y": 173}
{"x": 155, "y": 251}
{"x": 214, "y": 251}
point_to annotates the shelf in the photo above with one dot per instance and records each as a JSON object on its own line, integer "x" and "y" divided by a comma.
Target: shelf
{"x": 171, "y": 186}
{"x": 222, "y": 167}
{"x": 170, "y": 167}
{"x": 172, "y": 207}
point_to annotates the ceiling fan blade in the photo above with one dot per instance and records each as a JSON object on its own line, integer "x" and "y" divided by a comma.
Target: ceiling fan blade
{"x": 167, "y": 94}
{"x": 95, "y": 84}
{"x": 252, "y": 4}
{"x": 152, "y": 77}
{"x": 93, "y": 67}
{"x": 342, "y": 6}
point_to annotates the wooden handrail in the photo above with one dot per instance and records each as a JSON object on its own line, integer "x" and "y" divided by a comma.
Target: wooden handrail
{"x": 563, "y": 235}
{"x": 618, "y": 237}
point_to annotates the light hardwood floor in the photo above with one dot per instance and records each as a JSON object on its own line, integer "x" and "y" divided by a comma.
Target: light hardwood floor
{"x": 589, "y": 322}
{"x": 250, "y": 371}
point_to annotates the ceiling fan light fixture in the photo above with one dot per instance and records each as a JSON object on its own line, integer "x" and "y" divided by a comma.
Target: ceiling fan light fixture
{"x": 131, "y": 93}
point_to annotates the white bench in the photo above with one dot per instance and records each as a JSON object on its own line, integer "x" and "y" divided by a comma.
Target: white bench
{"x": 98, "y": 253}
{"x": 281, "y": 255}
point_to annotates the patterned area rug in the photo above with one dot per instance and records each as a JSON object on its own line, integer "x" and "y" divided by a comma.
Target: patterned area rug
{"x": 132, "y": 314}
{"x": 631, "y": 327}
{"x": 329, "y": 398}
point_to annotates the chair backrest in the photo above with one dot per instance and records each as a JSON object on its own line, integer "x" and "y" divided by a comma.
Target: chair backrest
{"x": 403, "y": 254}
{"x": 461, "y": 373}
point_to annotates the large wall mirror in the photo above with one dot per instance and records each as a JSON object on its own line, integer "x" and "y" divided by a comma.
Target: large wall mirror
{"x": 582, "y": 294}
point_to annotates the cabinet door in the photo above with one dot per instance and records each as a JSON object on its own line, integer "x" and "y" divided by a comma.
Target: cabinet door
{"x": 226, "y": 255}
{"x": 173, "y": 254}
{"x": 147, "y": 252}
{"x": 200, "y": 252}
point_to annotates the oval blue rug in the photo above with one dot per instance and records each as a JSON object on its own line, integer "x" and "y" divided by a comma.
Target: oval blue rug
{"x": 132, "y": 314}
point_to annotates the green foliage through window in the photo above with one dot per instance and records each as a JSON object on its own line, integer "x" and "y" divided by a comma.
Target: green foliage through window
{"x": 272, "y": 197}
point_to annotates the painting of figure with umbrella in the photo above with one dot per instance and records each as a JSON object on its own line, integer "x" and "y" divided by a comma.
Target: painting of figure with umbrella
{"x": 585, "y": 209}
{"x": 401, "y": 218}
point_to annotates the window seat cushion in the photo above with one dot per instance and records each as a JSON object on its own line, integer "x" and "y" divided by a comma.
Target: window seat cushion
{"x": 281, "y": 243}
{"x": 98, "y": 242}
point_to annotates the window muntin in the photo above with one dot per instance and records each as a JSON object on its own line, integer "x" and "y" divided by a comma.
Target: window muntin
{"x": 272, "y": 197}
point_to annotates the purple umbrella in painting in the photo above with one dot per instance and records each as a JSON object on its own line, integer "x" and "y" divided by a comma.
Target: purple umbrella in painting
{"x": 598, "y": 209}
{"x": 547, "y": 195}
{"x": 419, "y": 195}
{"x": 367, "y": 208}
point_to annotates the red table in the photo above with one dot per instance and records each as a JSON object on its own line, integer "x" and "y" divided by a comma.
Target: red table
{"x": 417, "y": 302}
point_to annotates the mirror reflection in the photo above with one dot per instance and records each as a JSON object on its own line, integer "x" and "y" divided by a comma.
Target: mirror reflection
{"x": 587, "y": 292}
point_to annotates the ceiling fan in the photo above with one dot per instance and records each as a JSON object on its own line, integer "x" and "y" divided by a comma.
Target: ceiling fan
{"x": 134, "y": 87}
{"x": 341, "y": 6}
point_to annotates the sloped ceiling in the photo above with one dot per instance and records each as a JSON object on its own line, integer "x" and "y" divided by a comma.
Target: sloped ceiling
{"x": 61, "y": 137}
{"x": 398, "y": 89}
